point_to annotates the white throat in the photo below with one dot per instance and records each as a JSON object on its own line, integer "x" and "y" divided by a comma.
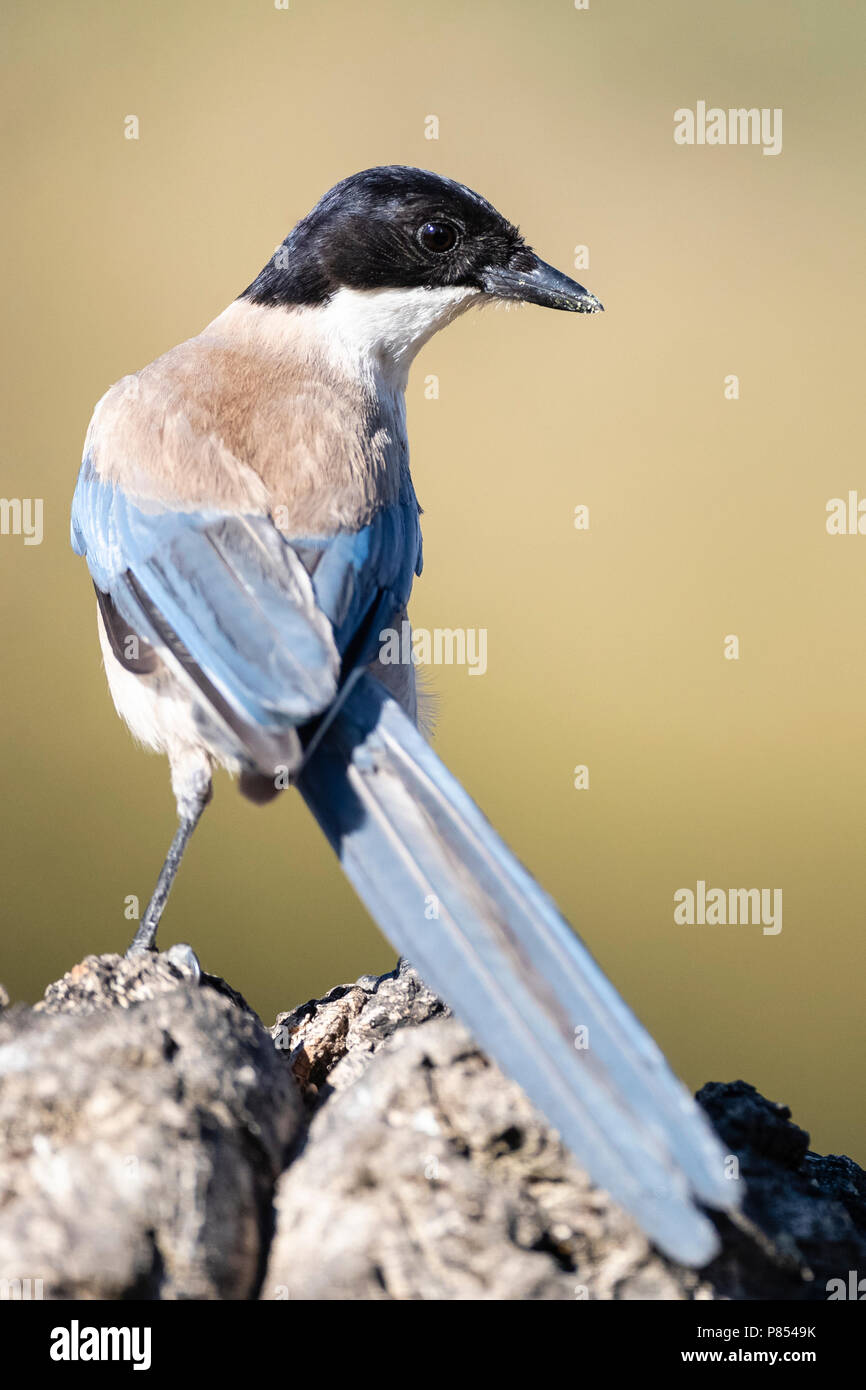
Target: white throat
{"x": 382, "y": 330}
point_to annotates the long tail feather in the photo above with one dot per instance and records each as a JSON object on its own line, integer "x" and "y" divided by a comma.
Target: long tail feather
{"x": 452, "y": 898}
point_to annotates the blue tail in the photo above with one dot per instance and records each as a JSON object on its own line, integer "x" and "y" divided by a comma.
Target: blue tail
{"x": 451, "y": 897}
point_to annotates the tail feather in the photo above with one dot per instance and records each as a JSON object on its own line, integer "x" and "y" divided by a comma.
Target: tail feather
{"x": 452, "y": 898}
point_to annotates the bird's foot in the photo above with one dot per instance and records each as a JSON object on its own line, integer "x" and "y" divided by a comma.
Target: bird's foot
{"x": 181, "y": 956}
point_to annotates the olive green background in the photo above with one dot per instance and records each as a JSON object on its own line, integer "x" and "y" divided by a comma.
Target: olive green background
{"x": 606, "y": 647}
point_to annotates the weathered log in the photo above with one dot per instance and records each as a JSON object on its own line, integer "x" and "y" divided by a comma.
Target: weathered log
{"x": 157, "y": 1142}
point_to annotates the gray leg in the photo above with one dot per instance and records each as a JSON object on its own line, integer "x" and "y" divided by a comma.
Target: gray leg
{"x": 145, "y": 937}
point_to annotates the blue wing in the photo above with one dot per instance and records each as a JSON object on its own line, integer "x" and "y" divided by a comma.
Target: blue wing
{"x": 268, "y": 623}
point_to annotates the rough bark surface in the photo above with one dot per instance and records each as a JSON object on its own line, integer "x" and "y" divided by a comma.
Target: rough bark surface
{"x": 157, "y": 1142}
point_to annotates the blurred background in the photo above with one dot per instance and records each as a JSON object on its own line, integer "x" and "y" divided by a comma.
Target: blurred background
{"x": 605, "y": 647}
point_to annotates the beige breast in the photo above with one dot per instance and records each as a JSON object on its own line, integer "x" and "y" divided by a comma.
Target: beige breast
{"x": 253, "y": 415}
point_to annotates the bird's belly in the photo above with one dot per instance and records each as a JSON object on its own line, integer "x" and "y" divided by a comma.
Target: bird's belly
{"x": 161, "y": 714}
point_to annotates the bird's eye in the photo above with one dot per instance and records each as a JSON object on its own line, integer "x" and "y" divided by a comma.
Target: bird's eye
{"x": 437, "y": 236}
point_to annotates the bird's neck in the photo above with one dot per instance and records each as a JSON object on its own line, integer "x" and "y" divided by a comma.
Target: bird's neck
{"x": 380, "y": 332}
{"x": 369, "y": 337}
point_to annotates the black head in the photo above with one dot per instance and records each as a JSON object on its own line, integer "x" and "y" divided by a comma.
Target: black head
{"x": 402, "y": 228}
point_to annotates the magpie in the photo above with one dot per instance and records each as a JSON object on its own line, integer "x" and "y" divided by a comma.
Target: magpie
{"x": 250, "y": 525}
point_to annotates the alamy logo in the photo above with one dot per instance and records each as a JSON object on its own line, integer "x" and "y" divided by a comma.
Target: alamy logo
{"x": 729, "y": 907}
{"x": 846, "y": 517}
{"x": 444, "y": 646}
{"x": 853, "y": 1289}
{"x": 20, "y": 1290}
{"x": 77, "y": 1343}
{"x": 736, "y": 126}
{"x": 22, "y": 516}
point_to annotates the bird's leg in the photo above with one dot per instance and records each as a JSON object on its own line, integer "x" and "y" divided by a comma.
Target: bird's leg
{"x": 145, "y": 937}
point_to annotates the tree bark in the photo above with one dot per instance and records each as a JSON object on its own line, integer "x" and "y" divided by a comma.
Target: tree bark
{"x": 158, "y": 1142}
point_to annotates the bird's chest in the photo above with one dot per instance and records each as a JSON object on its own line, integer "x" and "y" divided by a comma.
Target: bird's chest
{"x": 332, "y": 456}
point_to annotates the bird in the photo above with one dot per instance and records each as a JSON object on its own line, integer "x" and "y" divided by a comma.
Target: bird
{"x": 248, "y": 518}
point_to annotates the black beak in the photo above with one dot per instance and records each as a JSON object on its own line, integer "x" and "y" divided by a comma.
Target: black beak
{"x": 540, "y": 284}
